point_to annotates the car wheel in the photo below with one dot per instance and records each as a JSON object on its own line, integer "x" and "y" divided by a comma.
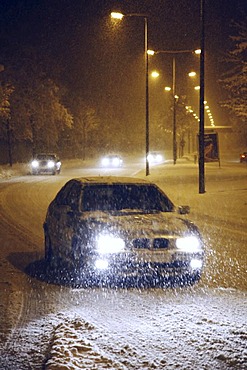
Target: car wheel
{"x": 76, "y": 250}
{"x": 48, "y": 248}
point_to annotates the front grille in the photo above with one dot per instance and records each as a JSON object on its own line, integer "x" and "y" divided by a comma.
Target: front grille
{"x": 160, "y": 243}
{"x": 142, "y": 243}
{"x": 145, "y": 243}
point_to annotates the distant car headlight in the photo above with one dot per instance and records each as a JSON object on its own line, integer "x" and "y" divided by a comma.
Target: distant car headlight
{"x": 116, "y": 161}
{"x": 159, "y": 158}
{"x": 150, "y": 158}
{"x": 50, "y": 164}
{"x": 189, "y": 244}
{"x": 35, "y": 163}
{"x": 105, "y": 161}
{"x": 109, "y": 244}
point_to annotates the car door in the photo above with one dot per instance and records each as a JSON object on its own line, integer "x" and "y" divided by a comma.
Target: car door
{"x": 64, "y": 216}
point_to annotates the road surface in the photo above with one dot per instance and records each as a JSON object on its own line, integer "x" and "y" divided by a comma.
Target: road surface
{"x": 47, "y": 326}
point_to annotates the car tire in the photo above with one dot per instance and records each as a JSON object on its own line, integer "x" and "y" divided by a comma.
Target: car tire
{"x": 75, "y": 248}
{"x": 48, "y": 248}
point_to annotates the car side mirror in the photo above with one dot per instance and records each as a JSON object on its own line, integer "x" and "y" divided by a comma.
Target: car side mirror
{"x": 183, "y": 210}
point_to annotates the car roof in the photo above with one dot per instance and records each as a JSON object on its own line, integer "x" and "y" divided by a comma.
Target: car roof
{"x": 45, "y": 155}
{"x": 112, "y": 155}
{"x": 111, "y": 180}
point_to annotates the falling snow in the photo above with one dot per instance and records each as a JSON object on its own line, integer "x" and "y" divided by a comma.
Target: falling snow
{"x": 49, "y": 326}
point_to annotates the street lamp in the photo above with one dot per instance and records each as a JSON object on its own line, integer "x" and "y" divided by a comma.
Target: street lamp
{"x": 117, "y": 15}
{"x": 155, "y": 74}
{"x": 174, "y": 52}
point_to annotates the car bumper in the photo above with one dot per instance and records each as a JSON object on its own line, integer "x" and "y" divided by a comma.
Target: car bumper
{"x": 46, "y": 170}
{"x": 128, "y": 273}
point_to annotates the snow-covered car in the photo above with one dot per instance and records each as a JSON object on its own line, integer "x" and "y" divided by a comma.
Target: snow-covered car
{"x": 243, "y": 157}
{"x": 155, "y": 157}
{"x": 46, "y": 163}
{"x": 121, "y": 229}
{"x": 112, "y": 161}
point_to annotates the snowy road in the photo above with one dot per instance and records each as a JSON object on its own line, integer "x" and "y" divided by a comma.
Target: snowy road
{"x": 44, "y": 326}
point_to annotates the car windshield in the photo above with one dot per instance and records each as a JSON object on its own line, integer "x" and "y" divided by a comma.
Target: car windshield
{"x": 45, "y": 157}
{"x": 124, "y": 197}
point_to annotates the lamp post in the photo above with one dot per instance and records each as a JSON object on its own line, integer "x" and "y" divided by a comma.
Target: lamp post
{"x": 117, "y": 15}
{"x": 201, "y": 125}
{"x": 174, "y": 139}
{"x": 174, "y": 52}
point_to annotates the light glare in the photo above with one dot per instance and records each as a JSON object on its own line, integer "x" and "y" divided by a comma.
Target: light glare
{"x": 101, "y": 264}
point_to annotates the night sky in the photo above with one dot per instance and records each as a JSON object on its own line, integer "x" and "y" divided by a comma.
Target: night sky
{"x": 104, "y": 61}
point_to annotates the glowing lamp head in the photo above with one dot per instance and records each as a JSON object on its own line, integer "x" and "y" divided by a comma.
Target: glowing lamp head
{"x": 116, "y": 15}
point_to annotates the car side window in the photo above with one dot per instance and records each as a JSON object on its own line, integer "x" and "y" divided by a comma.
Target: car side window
{"x": 73, "y": 197}
{"x": 69, "y": 195}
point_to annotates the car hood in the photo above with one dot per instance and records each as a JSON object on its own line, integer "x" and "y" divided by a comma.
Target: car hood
{"x": 138, "y": 224}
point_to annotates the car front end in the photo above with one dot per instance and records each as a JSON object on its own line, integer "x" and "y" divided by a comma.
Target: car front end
{"x": 130, "y": 255}
{"x": 122, "y": 233}
{"x": 45, "y": 164}
{"x": 112, "y": 161}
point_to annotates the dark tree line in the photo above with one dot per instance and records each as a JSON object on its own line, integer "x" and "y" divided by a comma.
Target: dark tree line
{"x": 234, "y": 79}
{"x": 36, "y": 110}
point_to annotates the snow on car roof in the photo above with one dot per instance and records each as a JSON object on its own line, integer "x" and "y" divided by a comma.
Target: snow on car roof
{"x": 112, "y": 180}
{"x": 45, "y": 155}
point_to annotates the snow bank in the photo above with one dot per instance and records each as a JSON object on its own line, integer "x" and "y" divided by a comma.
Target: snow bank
{"x": 201, "y": 329}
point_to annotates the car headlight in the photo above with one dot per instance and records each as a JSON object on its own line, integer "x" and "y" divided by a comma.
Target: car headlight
{"x": 109, "y": 244}
{"x": 35, "y": 163}
{"x": 116, "y": 161}
{"x": 189, "y": 244}
{"x": 50, "y": 164}
{"x": 159, "y": 158}
{"x": 105, "y": 161}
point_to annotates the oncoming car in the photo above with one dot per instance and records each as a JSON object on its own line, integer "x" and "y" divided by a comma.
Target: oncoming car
{"x": 46, "y": 163}
{"x": 111, "y": 230}
{"x": 155, "y": 158}
{"x": 112, "y": 160}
